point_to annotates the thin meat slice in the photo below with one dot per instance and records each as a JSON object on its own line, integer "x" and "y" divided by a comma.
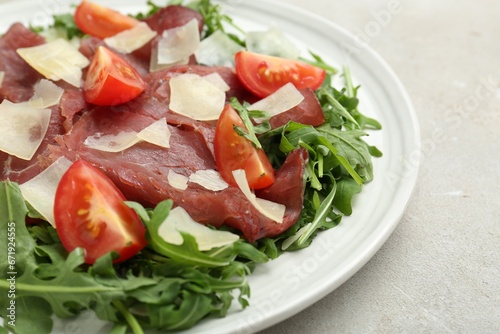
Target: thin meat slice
{"x": 141, "y": 173}
{"x": 19, "y": 76}
{"x": 308, "y": 112}
{"x": 171, "y": 17}
{"x": 287, "y": 189}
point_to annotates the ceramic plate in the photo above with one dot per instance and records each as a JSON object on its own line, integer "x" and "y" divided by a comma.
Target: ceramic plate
{"x": 296, "y": 280}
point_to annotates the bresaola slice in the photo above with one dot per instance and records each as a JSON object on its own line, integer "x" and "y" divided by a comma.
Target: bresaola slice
{"x": 19, "y": 77}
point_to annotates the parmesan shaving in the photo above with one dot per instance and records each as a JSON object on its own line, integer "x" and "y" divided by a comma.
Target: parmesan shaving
{"x": 2, "y": 74}
{"x": 178, "y": 43}
{"x": 209, "y": 179}
{"x": 132, "y": 39}
{"x": 217, "y": 50}
{"x": 217, "y": 81}
{"x": 157, "y": 133}
{"x": 272, "y": 42}
{"x": 40, "y": 191}
{"x": 56, "y": 60}
{"x": 179, "y": 220}
{"x": 112, "y": 143}
{"x": 271, "y": 210}
{"x": 280, "y": 101}
{"x": 23, "y": 128}
{"x": 194, "y": 96}
{"x": 177, "y": 181}
{"x": 46, "y": 94}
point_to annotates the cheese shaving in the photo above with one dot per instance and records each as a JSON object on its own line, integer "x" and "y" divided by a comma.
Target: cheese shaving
{"x": 112, "y": 143}
{"x": 56, "y": 60}
{"x": 217, "y": 81}
{"x": 132, "y": 39}
{"x": 209, "y": 179}
{"x": 178, "y": 43}
{"x": 177, "y": 181}
{"x": 2, "y": 74}
{"x": 46, "y": 94}
{"x": 194, "y": 96}
{"x": 280, "y": 101}
{"x": 218, "y": 49}
{"x": 179, "y": 220}
{"x": 157, "y": 133}
{"x": 271, "y": 210}
{"x": 40, "y": 191}
{"x": 23, "y": 128}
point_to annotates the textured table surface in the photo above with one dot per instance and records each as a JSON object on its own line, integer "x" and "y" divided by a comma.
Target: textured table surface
{"x": 439, "y": 271}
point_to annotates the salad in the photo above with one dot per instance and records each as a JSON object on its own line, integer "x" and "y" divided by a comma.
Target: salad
{"x": 168, "y": 154}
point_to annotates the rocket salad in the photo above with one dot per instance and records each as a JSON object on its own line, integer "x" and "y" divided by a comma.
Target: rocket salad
{"x": 109, "y": 254}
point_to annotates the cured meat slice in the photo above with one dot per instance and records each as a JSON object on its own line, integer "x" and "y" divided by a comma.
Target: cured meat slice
{"x": 141, "y": 173}
{"x": 19, "y": 77}
{"x": 171, "y": 17}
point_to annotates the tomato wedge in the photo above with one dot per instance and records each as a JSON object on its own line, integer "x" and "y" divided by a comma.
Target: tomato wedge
{"x": 90, "y": 213}
{"x": 100, "y": 21}
{"x": 233, "y": 152}
{"x": 111, "y": 80}
{"x": 263, "y": 75}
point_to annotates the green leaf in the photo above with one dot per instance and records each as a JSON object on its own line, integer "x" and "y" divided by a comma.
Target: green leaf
{"x": 33, "y": 315}
{"x": 16, "y": 245}
{"x": 321, "y": 216}
{"x": 192, "y": 308}
{"x": 346, "y": 189}
{"x": 353, "y": 148}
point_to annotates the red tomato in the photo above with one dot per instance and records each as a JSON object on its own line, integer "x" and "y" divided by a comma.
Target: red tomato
{"x": 100, "y": 21}
{"x": 233, "y": 152}
{"x": 263, "y": 75}
{"x": 111, "y": 80}
{"x": 90, "y": 213}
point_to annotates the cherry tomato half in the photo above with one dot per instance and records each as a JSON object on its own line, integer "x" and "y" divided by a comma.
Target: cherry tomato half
{"x": 90, "y": 213}
{"x": 100, "y": 21}
{"x": 111, "y": 80}
{"x": 263, "y": 75}
{"x": 233, "y": 152}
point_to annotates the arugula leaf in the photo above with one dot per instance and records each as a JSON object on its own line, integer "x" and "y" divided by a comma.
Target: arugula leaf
{"x": 66, "y": 22}
{"x": 346, "y": 189}
{"x": 250, "y": 133}
{"x": 13, "y": 230}
{"x": 320, "y": 217}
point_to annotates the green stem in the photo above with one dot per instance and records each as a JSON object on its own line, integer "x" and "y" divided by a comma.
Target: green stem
{"x": 129, "y": 317}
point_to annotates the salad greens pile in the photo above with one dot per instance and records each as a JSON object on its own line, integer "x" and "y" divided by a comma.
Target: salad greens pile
{"x": 169, "y": 287}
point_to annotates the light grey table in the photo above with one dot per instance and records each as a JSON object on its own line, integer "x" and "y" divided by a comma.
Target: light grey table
{"x": 439, "y": 272}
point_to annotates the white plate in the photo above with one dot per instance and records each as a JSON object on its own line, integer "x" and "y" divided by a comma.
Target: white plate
{"x": 293, "y": 282}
